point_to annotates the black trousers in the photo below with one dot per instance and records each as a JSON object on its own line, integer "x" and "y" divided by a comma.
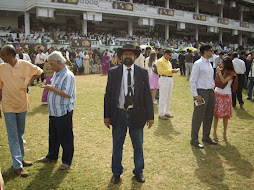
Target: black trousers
{"x": 174, "y": 63}
{"x": 203, "y": 114}
{"x": 42, "y": 75}
{"x": 238, "y": 93}
{"x": 60, "y": 133}
{"x": 76, "y": 69}
{"x": 182, "y": 68}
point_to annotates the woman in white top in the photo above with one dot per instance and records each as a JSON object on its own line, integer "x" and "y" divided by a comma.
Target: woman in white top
{"x": 225, "y": 83}
{"x": 153, "y": 77}
{"x": 86, "y": 63}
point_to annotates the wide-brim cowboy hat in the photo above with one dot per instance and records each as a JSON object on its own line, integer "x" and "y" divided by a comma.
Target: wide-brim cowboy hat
{"x": 128, "y": 47}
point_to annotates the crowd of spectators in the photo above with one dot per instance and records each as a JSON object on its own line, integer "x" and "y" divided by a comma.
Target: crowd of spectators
{"x": 116, "y": 37}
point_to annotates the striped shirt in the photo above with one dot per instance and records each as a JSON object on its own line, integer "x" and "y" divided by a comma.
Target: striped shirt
{"x": 65, "y": 81}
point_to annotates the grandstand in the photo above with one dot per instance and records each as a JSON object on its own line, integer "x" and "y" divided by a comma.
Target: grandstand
{"x": 226, "y": 24}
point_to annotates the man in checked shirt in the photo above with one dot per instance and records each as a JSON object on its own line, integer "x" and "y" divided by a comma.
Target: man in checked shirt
{"x": 61, "y": 98}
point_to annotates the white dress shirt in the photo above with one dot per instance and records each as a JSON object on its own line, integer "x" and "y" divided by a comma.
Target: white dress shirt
{"x": 216, "y": 61}
{"x": 146, "y": 63}
{"x": 81, "y": 54}
{"x": 201, "y": 76}
{"x": 140, "y": 61}
{"x": 26, "y": 57}
{"x": 1, "y": 61}
{"x": 40, "y": 58}
{"x": 239, "y": 66}
{"x": 124, "y": 86}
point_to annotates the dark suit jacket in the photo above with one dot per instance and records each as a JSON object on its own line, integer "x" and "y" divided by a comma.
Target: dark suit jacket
{"x": 142, "y": 104}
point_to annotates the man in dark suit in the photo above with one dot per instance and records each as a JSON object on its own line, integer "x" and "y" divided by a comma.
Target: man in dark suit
{"x": 147, "y": 53}
{"x": 128, "y": 104}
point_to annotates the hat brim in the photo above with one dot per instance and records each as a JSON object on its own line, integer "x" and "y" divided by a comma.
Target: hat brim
{"x": 135, "y": 51}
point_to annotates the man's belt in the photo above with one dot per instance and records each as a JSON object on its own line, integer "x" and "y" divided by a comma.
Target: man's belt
{"x": 128, "y": 109}
{"x": 165, "y": 76}
{"x": 205, "y": 89}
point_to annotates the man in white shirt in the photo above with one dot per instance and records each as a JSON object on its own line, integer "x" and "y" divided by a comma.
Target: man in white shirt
{"x": 22, "y": 55}
{"x": 140, "y": 61}
{"x": 40, "y": 60}
{"x": 240, "y": 69}
{"x": 251, "y": 75}
{"x": 215, "y": 58}
{"x": 81, "y": 53}
{"x": 202, "y": 85}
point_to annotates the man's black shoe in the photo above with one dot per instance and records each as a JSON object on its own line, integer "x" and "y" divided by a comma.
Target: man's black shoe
{"x": 210, "y": 141}
{"x": 140, "y": 178}
{"x": 197, "y": 144}
{"x": 248, "y": 98}
{"x": 115, "y": 179}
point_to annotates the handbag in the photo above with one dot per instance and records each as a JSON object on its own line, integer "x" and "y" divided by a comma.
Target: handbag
{"x": 155, "y": 69}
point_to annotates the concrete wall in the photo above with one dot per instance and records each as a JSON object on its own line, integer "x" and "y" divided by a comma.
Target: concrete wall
{"x": 9, "y": 21}
{"x": 12, "y": 5}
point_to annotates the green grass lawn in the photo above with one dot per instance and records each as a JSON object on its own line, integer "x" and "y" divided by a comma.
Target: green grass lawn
{"x": 170, "y": 161}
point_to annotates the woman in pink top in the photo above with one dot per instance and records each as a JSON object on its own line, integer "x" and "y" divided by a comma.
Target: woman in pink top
{"x": 49, "y": 74}
{"x": 105, "y": 64}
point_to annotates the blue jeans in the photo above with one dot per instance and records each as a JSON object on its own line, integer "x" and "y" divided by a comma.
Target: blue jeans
{"x": 250, "y": 87}
{"x": 119, "y": 133}
{"x": 15, "y": 125}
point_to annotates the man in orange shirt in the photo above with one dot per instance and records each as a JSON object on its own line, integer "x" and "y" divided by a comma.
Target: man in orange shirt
{"x": 15, "y": 75}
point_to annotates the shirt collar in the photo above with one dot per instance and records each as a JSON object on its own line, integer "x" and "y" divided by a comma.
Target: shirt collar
{"x": 204, "y": 59}
{"x": 61, "y": 73}
{"x": 125, "y": 67}
{"x": 17, "y": 64}
{"x": 163, "y": 58}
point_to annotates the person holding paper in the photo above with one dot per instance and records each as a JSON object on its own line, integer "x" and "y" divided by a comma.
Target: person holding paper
{"x": 202, "y": 85}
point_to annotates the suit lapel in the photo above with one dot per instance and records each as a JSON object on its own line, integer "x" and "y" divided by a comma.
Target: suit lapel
{"x": 136, "y": 82}
{"x": 119, "y": 75}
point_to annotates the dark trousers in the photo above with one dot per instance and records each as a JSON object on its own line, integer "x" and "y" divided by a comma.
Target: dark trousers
{"x": 174, "y": 63}
{"x": 214, "y": 72}
{"x": 203, "y": 114}
{"x": 60, "y": 133}
{"x": 250, "y": 87}
{"x": 119, "y": 133}
{"x": 42, "y": 75}
{"x": 245, "y": 84}
{"x": 78, "y": 69}
{"x": 238, "y": 93}
{"x": 182, "y": 68}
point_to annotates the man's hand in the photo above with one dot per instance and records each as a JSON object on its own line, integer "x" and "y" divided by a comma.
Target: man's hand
{"x": 149, "y": 123}
{"x": 175, "y": 70}
{"x": 47, "y": 87}
{"x": 107, "y": 122}
{"x": 199, "y": 99}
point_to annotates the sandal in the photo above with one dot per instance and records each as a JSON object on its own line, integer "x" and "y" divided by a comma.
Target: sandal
{"x": 216, "y": 139}
{"x": 225, "y": 138}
